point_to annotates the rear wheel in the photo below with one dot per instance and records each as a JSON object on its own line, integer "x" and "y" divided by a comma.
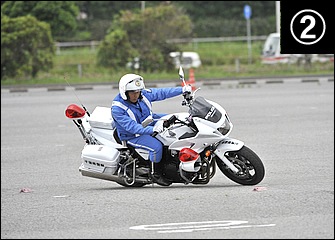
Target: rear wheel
{"x": 251, "y": 169}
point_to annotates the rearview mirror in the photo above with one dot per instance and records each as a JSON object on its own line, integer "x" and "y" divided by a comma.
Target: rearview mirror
{"x": 181, "y": 73}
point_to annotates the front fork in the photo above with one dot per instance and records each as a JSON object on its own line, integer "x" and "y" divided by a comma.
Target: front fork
{"x": 228, "y": 145}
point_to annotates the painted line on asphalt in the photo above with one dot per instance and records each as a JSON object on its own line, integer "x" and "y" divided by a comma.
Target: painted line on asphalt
{"x": 187, "y": 227}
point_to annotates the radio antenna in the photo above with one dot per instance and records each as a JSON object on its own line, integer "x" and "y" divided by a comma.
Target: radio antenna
{"x": 76, "y": 96}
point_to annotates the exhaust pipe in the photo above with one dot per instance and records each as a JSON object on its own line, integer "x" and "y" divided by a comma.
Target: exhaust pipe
{"x": 88, "y": 173}
{"x": 114, "y": 178}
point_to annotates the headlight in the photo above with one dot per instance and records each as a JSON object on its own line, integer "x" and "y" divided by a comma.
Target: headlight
{"x": 223, "y": 130}
{"x": 225, "y": 127}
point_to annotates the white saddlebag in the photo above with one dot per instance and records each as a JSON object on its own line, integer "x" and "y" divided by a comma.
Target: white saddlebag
{"x": 100, "y": 158}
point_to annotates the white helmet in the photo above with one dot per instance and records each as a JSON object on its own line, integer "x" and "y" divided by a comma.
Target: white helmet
{"x": 130, "y": 82}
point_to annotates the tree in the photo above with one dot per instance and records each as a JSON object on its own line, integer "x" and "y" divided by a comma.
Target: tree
{"x": 61, "y": 15}
{"x": 147, "y": 32}
{"x": 116, "y": 50}
{"x": 99, "y": 16}
{"x": 26, "y": 47}
{"x": 226, "y": 18}
{"x": 210, "y": 18}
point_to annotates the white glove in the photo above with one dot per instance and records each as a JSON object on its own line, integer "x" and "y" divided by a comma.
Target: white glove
{"x": 187, "y": 88}
{"x": 158, "y": 127}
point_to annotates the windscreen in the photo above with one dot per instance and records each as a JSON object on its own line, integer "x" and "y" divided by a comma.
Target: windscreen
{"x": 203, "y": 109}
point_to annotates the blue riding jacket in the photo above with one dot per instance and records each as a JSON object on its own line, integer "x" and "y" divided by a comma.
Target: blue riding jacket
{"x": 129, "y": 116}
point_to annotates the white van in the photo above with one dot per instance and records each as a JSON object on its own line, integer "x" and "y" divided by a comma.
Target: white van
{"x": 186, "y": 60}
{"x": 271, "y": 51}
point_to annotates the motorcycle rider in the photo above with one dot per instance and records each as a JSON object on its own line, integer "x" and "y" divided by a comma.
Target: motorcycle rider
{"x": 132, "y": 107}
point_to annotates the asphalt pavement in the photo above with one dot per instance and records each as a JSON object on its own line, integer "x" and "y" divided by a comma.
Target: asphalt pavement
{"x": 289, "y": 124}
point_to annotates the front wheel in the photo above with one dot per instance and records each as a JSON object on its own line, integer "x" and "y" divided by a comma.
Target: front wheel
{"x": 251, "y": 169}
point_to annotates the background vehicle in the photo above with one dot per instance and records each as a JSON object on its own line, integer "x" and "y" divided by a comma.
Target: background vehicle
{"x": 186, "y": 59}
{"x": 271, "y": 53}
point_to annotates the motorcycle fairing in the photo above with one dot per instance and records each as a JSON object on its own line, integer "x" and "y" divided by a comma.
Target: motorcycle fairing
{"x": 174, "y": 135}
{"x": 196, "y": 143}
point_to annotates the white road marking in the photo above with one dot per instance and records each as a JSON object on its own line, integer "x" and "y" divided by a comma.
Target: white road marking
{"x": 196, "y": 226}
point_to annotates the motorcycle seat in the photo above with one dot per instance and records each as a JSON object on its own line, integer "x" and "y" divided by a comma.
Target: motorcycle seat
{"x": 117, "y": 139}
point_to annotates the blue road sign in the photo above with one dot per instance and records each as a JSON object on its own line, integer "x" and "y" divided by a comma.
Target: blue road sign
{"x": 247, "y": 11}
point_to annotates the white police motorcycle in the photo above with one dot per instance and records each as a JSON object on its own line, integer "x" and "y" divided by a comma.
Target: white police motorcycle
{"x": 194, "y": 144}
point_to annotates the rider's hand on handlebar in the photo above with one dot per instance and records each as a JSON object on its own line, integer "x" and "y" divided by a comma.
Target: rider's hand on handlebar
{"x": 187, "y": 89}
{"x": 187, "y": 94}
{"x": 158, "y": 127}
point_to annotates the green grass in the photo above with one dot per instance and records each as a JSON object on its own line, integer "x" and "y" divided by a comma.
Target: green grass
{"x": 219, "y": 60}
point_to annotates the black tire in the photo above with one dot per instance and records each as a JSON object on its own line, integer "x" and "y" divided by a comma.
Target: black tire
{"x": 250, "y": 165}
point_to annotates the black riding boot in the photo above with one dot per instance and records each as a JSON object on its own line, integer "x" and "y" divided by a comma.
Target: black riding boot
{"x": 158, "y": 175}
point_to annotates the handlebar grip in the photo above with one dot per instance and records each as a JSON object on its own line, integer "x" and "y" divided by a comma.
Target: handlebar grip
{"x": 154, "y": 134}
